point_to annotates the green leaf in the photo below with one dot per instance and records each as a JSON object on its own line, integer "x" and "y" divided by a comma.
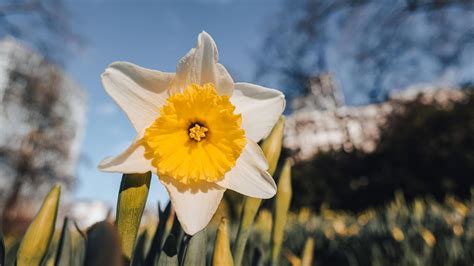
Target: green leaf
{"x": 280, "y": 211}
{"x": 156, "y": 243}
{"x": 35, "y": 244}
{"x": 64, "y": 252}
{"x": 131, "y": 203}
{"x": 196, "y": 250}
{"x": 178, "y": 232}
{"x": 103, "y": 245}
{"x": 271, "y": 147}
{"x": 169, "y": 254}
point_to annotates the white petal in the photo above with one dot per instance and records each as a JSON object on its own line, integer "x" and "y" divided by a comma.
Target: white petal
{"x": 140, "y": 92}
{"x": 260, "y": 108}
{"x": 200, "y": 66}
{"x": 249, "y": 176}
{"x": 131, "y": 161}
{"x": 194, "y": 207}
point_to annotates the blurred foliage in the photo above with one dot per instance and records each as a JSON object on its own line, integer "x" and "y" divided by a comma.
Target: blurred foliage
{"x": 423, "y": 150}
{"x": 424, "y": 232}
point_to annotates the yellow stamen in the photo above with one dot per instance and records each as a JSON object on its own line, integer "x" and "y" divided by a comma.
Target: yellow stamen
{"x": 197, "y": 132}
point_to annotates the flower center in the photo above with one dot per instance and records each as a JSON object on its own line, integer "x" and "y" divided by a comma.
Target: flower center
{"x": 197, "y": 132}
{"x": 197, "y": 136}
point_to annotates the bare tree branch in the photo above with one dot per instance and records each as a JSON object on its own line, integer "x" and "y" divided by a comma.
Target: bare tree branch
{"x": 382, "y": 45}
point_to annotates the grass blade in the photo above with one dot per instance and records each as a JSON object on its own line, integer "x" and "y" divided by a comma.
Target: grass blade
{"x": 156, "y": 243}
{"x": 139, "y": 253}
{"x": 79, "y": 246}
{"x": 169, "y": 254}
{"x": 64, "y": 252}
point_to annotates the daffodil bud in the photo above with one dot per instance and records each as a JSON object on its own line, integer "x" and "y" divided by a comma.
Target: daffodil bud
{"x": 103, "y": 245}
{"x": 222, "y": 254}
{"x": 34, "y": 246}
{"x": 271, "y": 146}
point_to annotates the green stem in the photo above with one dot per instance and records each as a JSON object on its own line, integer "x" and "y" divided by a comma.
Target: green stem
{"x": 130, "y": 205}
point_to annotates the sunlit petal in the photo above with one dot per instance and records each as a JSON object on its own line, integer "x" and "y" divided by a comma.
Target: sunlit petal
{"x": 260, "y": 108}
{"x": 194, "y": 206}
{"x": 140, "y": 92}
{"x": 249, "y": 176}
{"x": 131, "y": 161}
{"x": 200, "y": 66}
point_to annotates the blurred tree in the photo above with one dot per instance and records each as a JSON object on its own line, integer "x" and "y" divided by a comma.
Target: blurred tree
{"x": 45, "y": 24}
{"x": 371, "y": 46}
{"x": 37, "y": 99}
{"x": 41, "y": 116}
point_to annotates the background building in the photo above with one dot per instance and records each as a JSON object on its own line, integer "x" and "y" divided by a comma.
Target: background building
{"x": 321, "y": 123}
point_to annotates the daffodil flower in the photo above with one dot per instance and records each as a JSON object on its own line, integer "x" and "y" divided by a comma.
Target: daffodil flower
{"x": 197, "y": 131}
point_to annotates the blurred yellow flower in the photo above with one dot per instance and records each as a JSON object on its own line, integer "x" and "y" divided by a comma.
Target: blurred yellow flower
{"x": 339, "y": 227}
{"x": 458, "y": 230}
{"x": 304, "y": 215}
{"x": 353, "y": 230}
{"x": 397, "y": 234}
{"x": 429, "y": 238}
{"x": 329, "y": 233}
{"x": 196, "y": 129}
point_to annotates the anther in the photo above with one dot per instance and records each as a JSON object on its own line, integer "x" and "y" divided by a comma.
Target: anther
{"x": 197, "y": 132}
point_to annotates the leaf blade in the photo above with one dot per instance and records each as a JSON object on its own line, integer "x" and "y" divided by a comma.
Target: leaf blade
{"x": 130, "y": 206}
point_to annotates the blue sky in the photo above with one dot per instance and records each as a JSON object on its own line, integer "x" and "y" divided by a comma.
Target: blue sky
{"x": 153, "y": 35}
